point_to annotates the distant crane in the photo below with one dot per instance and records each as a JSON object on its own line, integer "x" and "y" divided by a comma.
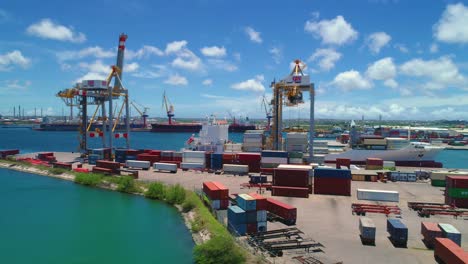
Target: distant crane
{"x": 143, "y": 114}
{"x": 169, "y": 108}
{"x": 267, "y": 112}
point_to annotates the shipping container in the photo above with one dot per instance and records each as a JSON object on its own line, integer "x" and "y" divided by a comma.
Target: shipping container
{"x": 262, "y": 226}
{"x": 246, "y": 202}
{"x": 251, "y": 228}
{"x": 251, "y": 217}
{"x": 262, "y": 216}
{"x": 261, "y": 202}
{"x": 274, "y": 154}
{"x": 343, "y": 162}
{"x": 430, "y": 232}
{"x": 291, "y": 177}
{"x": 237, "y": 229}
{"x": 332, "y": 173}
{"x": 377, "y": 195}
{"x": 148, "y": 157}
{"x": 287, "y": 212}
{"x": 223, "y": 190}
{"x": 460, "y": 182}
{"x": 446, "y": 251}
{"x": 165, "y": 167}
{"x": 140, "y": 164}
{"x": 300, "y": 192}
{"x": 211, "y": 190}
{"x": 236, "y": 215}
{"x": 457, "y": 202}
{"x": 367, "y": 230}
{"x": 192, "y": 166}
{"x": 461, "y": 193}
{"x": 398, "y": 232}
{"x": 450, "y": 232}
{"x": 332, "y": 186}
{"x": 224, "y": 204}
{"x": 235, "y": 169}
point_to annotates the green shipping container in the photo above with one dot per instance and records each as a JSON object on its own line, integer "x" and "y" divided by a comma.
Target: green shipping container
{"x": 458, "y": 193}
{"x": 296, "y": 155}
{"x": 438, "y": 183}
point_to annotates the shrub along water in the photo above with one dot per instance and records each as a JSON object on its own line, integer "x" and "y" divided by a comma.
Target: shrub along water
{"x": 89, "y": 179}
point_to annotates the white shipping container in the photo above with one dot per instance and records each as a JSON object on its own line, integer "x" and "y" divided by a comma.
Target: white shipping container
{"x": 193, "y": 160}
{"x": 165, "y": 167}
{"x": 367, "y": 228}
{"x": 261, "y": 216}
{"x": 141, "y": 164}
{"x": 377, "y": 195}
{"x": 274, "y": 160}
{"x": 234, "y": 168}
{"x": 296, "y": 135}
{"x": 320, "y": 150}
{"x": 193, "y": 154}
{"x": 232, "y": 147}
{"x": 390, "y": 164}
{"x": 320, "y": 144}
{"x": 318, "y": 158}
{"x": 296, "y": 161}
{"x": 188, "y": 165}
{"x": 262, "y": 226}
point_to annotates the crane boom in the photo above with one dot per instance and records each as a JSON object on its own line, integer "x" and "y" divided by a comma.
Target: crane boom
{"x": 169, "y": 108}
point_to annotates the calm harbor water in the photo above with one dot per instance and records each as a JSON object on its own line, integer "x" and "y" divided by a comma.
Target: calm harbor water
{"x": 46, "y": 220}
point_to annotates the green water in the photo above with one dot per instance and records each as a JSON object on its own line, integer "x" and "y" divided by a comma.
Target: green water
{"x": 45, "y": 220}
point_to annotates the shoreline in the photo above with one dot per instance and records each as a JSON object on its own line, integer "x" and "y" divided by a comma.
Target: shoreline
{"x": 198, "y": 237}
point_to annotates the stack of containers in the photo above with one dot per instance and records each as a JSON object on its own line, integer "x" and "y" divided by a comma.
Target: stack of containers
{"x": 253, "y": 141}
{"x": 208, "y": 159}
{"x": 103, "y": 153}
{"x": 114, "y": 166}
{"x": 120, "y": 155}
{"x": 232, "y": 147}
{"x": 250, "y": 159}
{"x": 332, "y": 181}
{"x": 230, "y": 158}
{"x": 296, "y": 142}
{"x": 46, "y": 156}
{"x": 430, "y": 232}
{"x": 398, "y": 232}
{"x": 296, "y": 158}
{"x": 148, "y": 157}
{"x": 249, "y": 205}
{"x": 374, "y": 164}
{"x": 93, "y": 158}
{"x": 272, "y": 158}
{"x": 167, "y": 155}
{"x": 456, "y": 192}
{"x": 178, "y": 156}
{"x": 218, "y": 195}
{"x": 193, "y": 159}
{"x": 389, "y": 165}
{"x": 309, "y": 168}
{"x": 216, "y": 161}
{"x": 396, "y": 143}
{"x": 237, "y": 220}
{"x": 403, "y": 176}
{"x": 257, "y": 179}
{"x": 287, "y": 212}
{"x": 446, "y": 251}
{"x": 291, "y": 182}
{"x": 342, "y": 162}
{"x": 261, "y": 203}
{"x": 132, "y": 154}
{"x": 450, "y": 232}
{"x": 318, "y": 158}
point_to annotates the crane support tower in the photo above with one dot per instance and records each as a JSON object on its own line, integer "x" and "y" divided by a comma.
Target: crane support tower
{"x": 288, "y": 92}
{"x": 99, "y": 93}
{"x": 169, "y": 108}
{"x": 267, "y": 112}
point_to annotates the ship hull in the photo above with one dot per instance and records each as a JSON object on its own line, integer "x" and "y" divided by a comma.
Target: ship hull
{"x": 241, "y": 128}
{"x": 166, "y": 128}
{"x": 75, "y": 127}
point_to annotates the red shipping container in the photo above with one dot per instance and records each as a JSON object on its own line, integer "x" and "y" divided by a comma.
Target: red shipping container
{"x": 147, "y": 157}
{"x": 260, "y": 200}
{"x": 285, "y": 211}
{"x": 457, "y": 202}
{"x": 246, "y": 156}
{"x": 266, "y": 171}
{"x": 177, "y": 159}
{"x": 223, "y": 204}
{"x": 155, "y": 152}
{"x": 108, "y": 164}
{"x": 374, "y": 161}
{"x": 430, "y": 231}
{"x": 343, "y": 162}
{"x": 290, "y": 191}
{"x": 457, "y": 182}
{"x": 133, "y": 152}
{"x": 332, "y": 186}
{"x": 291, "y": 177}
{"x": 252, "y": 228}
{"x": 211, "y": 190}
{"x": 447, "y": 251}
{"x": 223, "y": 190}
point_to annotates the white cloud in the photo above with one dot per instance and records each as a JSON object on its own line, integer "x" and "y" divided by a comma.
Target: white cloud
{"x": 431, "y": 101}
{"x": 213, "y": 51}
{"x": 175, "y": 46}
{"x": 376, "y": 41}
{"x": 192, "y": 63}
{"x": 237, "y": 56}
{"x": 401, "y": 47}
{"x": 207, "y": 82}
{"x": 383, "y": 69}
{"x": 254, "y": 84}
{"x": 434, "y": 48}
{"x": 15, "y": 85}
{"x": 451, "y": 28}
{"x": 176, "y": 80}
{"x": 277, "y": 54}
{"x": 442, "y": 72}
{"x": 13, "y": 58}
{"x": 223, "y": 65}
{"x": 334, "y": 31}
{"x": 47, "y": 29}
{"x": 143, "y": 52}
{"x": 161, "y": 70}
{"x": 91, "y": 76}
{"x": 253, "y": 35}
{"x": 350, "y": 80}
{"x": 326, "y": 58}
{"x": 97, "y": 67}
{"x": 131, "y": 67}
{"x": 391, "y": 83}
{"x": 95, "y": 51}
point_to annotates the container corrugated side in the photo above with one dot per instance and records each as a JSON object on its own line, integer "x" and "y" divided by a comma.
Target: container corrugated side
{"x": 377, "y": 195}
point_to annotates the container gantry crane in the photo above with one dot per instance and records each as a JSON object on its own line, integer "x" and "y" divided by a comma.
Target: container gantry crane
{"x": 267, "y": 112}
{"x": 288, "y": 91}
{"x": 169, "y": 108}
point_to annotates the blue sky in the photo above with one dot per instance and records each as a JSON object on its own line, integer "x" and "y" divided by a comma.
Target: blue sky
{"x": 396, "y": 58}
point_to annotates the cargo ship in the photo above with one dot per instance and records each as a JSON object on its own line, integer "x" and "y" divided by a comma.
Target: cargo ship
{"x": 76, "y": 126}
{"x": 176, "y": 127}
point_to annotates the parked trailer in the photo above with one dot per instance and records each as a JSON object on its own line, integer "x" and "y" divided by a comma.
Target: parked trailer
{"x": 362, "y": 209}
{"x": 377, "y": 195}
{"x": 165, "y": 167}
{"x": 367, "y": 230}
{"x": 140, "y": 164}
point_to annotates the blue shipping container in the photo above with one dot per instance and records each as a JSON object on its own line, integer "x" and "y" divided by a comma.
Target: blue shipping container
{"x": 274, "y": 154}
{"x": 332, "y": 173}
{"x": 450, "y": 232}
{"x": 398, "y": 231}
{"x": 239, "y": 229}
{"x": 92, "y": 158}
{"x": 246, "y": 202}
{"x": 236, "y": 215}
{"x": 131, "y": 158}
{"x": 251, "y": 217}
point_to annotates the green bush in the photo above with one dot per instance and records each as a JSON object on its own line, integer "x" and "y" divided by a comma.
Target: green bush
{"x": 90, "y": 179}
{"x": 175, "y": 194}
{"x": 127, "y": 184}
{"x": 155, "y": 191}
{"x": 57, "y": 171}
{"x": 219, "y": 249}
{"x": 188, "y": 205}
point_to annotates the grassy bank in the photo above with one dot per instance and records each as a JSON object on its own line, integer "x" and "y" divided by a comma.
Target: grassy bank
{"x": 220, "y": 248}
